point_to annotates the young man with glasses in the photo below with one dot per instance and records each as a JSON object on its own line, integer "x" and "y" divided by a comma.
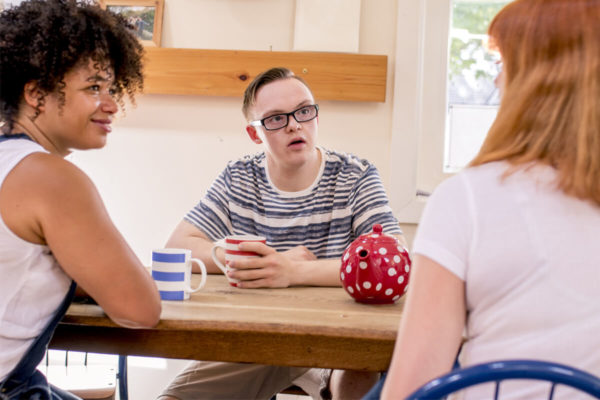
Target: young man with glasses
{"x": 309, "y": 202}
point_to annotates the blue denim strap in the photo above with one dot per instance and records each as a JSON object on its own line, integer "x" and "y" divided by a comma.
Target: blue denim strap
{"x": 14, "y": 136}
{"x": 25, "y": 381}
{"x": 33, "y": 388}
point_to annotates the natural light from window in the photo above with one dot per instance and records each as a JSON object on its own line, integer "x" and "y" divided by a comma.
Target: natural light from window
{"x": 472, "y": 97}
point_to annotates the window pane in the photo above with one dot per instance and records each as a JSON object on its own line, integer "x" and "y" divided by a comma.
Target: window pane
{"x": 468, "y": 125}
{"x": 472, "y": 96}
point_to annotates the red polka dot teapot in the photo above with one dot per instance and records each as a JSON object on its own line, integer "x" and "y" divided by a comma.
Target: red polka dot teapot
{"x": 375, "y": 268}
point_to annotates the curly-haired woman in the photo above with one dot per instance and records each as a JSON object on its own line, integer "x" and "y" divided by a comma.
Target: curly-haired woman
{"x": 64, "y": 68}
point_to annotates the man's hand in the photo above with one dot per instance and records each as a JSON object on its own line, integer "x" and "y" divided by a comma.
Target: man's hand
{"x": 300, "y": 253}
{"x": 273, "y": 269}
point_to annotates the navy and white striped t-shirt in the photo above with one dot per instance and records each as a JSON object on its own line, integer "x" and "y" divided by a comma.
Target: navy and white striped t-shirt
{"x": 345, "y": 200}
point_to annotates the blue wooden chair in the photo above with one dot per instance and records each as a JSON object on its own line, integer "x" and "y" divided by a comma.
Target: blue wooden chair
{"x": 497, "y": 371}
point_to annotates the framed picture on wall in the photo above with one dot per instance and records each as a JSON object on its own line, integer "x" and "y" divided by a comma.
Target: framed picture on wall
{"x": 144, "y": 15}
{"x": 4, "y": 4}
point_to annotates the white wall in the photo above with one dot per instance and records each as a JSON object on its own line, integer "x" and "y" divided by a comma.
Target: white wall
{"x": 163, "y": 155}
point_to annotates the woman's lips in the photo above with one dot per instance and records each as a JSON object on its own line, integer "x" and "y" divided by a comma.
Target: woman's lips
{"x": 104, "y": 124}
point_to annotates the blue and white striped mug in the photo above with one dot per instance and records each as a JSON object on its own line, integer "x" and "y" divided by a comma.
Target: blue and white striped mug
{"x": 172, "y": 272}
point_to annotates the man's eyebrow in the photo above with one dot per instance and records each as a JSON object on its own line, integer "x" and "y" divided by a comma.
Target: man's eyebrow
{"x": 299, "y": 105}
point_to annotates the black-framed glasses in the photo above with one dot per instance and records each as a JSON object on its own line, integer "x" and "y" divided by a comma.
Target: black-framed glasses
{"x": 278, "y": 121}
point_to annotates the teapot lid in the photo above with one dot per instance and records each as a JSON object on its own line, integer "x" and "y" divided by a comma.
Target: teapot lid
{"x": 376, "y": 236}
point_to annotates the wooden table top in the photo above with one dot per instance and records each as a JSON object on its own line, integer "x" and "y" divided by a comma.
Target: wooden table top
{"x": 300, "y": 326}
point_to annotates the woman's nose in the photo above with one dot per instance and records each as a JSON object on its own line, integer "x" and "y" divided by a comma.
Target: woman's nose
{"x": 108, "y": 104}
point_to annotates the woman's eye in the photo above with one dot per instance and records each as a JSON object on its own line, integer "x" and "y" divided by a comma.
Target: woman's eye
{"x": 94, "y": 88}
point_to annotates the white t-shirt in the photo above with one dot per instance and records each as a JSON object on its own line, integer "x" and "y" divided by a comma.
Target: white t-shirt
{"x": 530, "y": 259}
{"x": 32, "y": 284}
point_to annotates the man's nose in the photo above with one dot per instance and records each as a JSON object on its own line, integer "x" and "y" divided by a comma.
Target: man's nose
{"x": 293, "y": 125}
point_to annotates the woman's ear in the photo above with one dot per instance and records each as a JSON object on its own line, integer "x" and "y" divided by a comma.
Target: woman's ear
{"x": 33, "y": 95}
{"x": 253, "y": 134}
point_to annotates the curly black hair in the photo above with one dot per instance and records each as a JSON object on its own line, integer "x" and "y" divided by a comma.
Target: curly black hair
{"x": 42, "y": 40}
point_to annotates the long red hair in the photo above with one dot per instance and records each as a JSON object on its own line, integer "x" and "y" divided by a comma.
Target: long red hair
{"x": 550, "y": 108}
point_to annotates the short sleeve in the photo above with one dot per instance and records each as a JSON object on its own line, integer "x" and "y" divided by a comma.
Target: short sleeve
{"x": 211, "y": 215}
{"x": 445, "y": 230}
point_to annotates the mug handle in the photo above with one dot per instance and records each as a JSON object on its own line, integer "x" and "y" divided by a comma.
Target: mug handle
{"x": 202, "y": 280}
{"x": 213, "y": 252}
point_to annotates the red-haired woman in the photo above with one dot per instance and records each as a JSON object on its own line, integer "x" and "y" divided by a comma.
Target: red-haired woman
{"x": 506, "y": 255}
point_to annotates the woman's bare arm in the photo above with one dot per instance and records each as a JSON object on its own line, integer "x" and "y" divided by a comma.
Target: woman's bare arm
{"x": 47, "y": 200}
{"x": 431, "y": 329}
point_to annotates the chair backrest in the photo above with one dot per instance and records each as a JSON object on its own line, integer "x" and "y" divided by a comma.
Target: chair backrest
{"x": 497, "y": 371}
{"x": 75, "y": 375}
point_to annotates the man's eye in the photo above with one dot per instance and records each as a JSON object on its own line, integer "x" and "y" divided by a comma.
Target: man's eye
{"x": 94, "y": 88}
{"x": 304, "y": 111}
{"x": 276, "y": 118}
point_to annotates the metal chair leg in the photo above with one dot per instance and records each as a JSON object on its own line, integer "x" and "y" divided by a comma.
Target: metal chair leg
{"x": 123, "y": 393}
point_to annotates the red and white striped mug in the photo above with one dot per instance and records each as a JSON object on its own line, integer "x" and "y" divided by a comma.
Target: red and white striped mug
{"x": 232, "y": 252}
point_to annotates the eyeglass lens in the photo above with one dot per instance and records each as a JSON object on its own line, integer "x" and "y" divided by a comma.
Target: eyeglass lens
{"x": 279, "y": 121}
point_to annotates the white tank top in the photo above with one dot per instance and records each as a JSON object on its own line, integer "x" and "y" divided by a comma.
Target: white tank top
{"x": 32, "y": 284}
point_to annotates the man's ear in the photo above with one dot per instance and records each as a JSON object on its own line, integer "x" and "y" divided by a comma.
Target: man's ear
{"x": 33, "y": 95}
{"x": 253, "y": 134}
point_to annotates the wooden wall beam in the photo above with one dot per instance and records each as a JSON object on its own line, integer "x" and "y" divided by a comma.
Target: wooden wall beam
{"x": 331, "y": 76}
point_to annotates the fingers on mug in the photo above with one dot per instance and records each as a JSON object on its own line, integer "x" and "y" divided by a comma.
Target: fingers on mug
{"x": 231, "y": 246}
{"x": 172, "y": 270}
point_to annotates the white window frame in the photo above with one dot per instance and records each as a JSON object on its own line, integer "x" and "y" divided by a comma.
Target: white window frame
{"x": 419, "y": 105}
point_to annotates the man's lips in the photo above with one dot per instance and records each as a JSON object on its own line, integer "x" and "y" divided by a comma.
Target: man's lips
{"x": 296, "y": 141}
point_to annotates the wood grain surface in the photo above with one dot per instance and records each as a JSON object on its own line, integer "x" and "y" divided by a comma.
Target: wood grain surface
{"x": 331, "y": 76}
{"x": 301, "y": 326}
